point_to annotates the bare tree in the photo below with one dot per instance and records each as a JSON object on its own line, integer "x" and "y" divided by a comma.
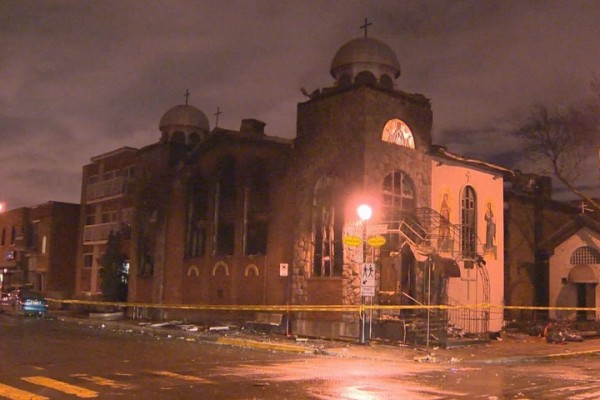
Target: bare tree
{"x": 562, "y": 141}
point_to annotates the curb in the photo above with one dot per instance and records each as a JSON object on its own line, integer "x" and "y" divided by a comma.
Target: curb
{"x": 254, "y": 344}
{"x": 531, "y": 359}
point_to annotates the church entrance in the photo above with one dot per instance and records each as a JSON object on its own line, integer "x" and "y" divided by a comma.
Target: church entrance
{"x": 399, "y": 279}
{"x": 586, "y": 298}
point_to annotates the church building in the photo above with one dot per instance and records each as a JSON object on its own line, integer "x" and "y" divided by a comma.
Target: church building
{"x": 238, "y": 217}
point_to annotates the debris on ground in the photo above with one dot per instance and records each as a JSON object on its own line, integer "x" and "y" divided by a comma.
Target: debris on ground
{"x": 170, "y": 324}
{"x": 188, "y": 327}
{"x": 559, "y": 333}
{"x": 219, "y": 328}
{"x": 427, "y": 358}
{"x": 456, "y": 331}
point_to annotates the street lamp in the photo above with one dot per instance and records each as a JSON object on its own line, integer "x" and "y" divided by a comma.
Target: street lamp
{"x": 365, "y": 212}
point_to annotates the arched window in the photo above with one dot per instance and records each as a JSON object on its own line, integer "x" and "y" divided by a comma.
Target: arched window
{"x": 328, "y": 223}
{"x": 197, "y": 218}
{"x": 345, "y": 80}
{"x": 365, "y": 78}
{"x": 225, "y": 201}
{"x": 398, "y": 196}
{"x": 178, "y": 137}
{"x": 585, "y": 255}
{"x": 386, "y": 81}
{"x": 194, "y": 138}
{"x": 398, "y": 132}
{"x": 468, "y": 221}
{"x": 256, "y": 210}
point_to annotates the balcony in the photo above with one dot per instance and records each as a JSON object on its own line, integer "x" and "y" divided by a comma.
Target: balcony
{"x": 99, "y": 232}
{"x": 109, "y": 188}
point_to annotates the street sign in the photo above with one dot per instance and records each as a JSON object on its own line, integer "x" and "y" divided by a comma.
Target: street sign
{"x": 367, "y": 281}
{"x": 376, "y": 241}
{"x": 353, "y": 241}
{"x": 377, "y": 229}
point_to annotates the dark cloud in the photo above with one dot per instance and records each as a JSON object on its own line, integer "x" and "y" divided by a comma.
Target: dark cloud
{"x": 80, "y": 78}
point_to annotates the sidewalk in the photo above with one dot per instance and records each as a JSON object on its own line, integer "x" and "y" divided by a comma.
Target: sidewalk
{"x": 512, "y": 348}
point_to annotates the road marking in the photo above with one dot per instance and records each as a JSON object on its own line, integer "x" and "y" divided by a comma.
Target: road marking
{"x": 98, "y": 380}
{"x": 61, "y": 386}
{"x": 12, "y": 393}
{"x": 189, "y": 378}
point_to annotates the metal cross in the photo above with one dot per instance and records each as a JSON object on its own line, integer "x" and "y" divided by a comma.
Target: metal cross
{"x": 187, "y": 96}
{"x": 584, "y": 207}
{"x": 217, "y": 115}
{"x": 366, "y": 25}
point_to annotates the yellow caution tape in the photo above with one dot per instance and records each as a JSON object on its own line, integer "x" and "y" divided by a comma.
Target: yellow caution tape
{"x": 318, "y": 308}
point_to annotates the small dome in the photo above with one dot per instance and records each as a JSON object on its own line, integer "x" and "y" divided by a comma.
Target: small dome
{"x": 184, "y": 115}
{"x": 364, "y": 55}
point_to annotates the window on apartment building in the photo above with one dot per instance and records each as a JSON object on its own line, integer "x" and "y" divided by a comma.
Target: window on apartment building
{"x": 3, "y": 236}
{"x": 93, "y": 179}
{"x": 328, "y": 223}
{"x": 108, "y": 175}
{"x": 585, "y": 255}
{"x": 129, "y": 172}
{"x": 88, "y": 260}
{"x": 13, "y": 234}
{"x": 33, "y": 239}
{"x": 126, "y": 219}
{"x": 90, "y": 219}
{"x": 225, "y": 210}
{"x": 468, "y": 221}
{"x": 108, "y": 217}
{"x": 256, "y": 207}
{"x": 197, "y": 218}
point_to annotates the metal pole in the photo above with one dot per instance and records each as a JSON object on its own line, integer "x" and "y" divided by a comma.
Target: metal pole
{"x": 428, "y": 297}
{"x": 362, "y": 339}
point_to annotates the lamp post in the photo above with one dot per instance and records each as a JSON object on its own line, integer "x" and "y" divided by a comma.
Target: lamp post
{"x": 364, "y": 213}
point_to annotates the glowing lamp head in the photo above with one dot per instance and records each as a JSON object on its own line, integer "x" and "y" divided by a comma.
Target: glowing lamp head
{"x": 364, "y": 212}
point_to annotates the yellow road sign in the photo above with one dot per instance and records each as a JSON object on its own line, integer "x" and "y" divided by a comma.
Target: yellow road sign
{"x": 376, "y": 241}
{"x": 352, "y": 240}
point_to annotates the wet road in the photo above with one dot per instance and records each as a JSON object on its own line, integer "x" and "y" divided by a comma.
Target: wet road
{"x": 50, "y": 359}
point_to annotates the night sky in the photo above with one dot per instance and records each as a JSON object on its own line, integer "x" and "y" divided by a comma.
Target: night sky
{"x": 80, "y": 78}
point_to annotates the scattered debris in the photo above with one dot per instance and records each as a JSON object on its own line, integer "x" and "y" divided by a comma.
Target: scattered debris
{"x": 559, "y": 334}
{"x": 169, "y": 324}
{"x": 427, "y": 358}
{"x": 454, "y": 360}
{"x": 218, "y": 328}
{"x": 299, "y": 339}
{"x": 189, "y": 327}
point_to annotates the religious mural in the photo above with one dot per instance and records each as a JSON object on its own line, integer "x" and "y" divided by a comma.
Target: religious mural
{"x": 396, "y": 131}
{"x": 444, "y": 242}
{"x": 489, "y": 246}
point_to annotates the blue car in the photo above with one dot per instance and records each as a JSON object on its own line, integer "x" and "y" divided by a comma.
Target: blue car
{"x": 23, "y": 301}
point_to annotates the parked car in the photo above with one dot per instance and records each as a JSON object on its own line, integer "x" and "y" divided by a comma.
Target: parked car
{"x": 22, "y": 300}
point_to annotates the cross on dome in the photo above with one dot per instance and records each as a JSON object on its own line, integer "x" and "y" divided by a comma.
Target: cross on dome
{"x": 366, "y": 25}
